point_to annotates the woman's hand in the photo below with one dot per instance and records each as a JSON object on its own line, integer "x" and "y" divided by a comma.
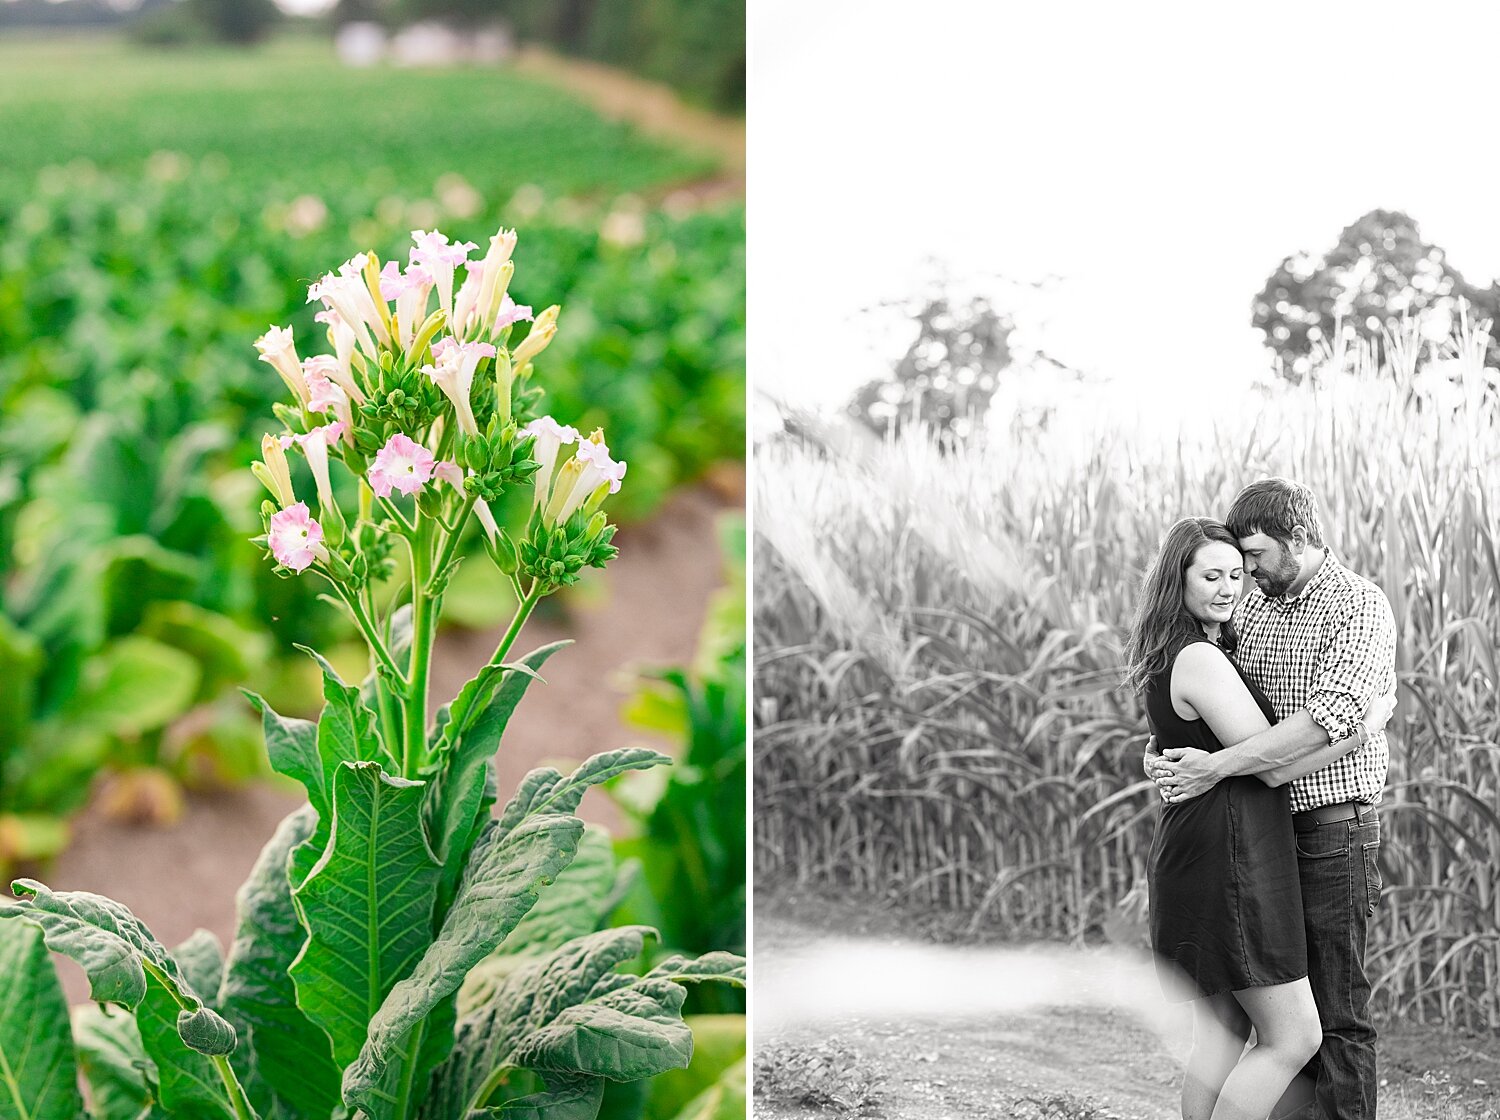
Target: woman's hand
{"x": 1378, "y": 714}
{"x": 1184, "y": 773}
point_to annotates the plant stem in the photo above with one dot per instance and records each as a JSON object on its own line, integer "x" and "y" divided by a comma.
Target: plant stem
{"x": 523, "y": 612}
{"x": 393, "y": 511}
{"x": 237, "y": 1099}
{"x": 421, "y": 651}
{"x": 491, "y": 1083}
{"x": 450, "y": 543}
{"x": 372, "y": 635}
{"x": 409, "y": 1071}
{"x": 389, "y": 727}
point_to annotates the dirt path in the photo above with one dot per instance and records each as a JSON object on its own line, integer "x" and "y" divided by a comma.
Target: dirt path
{"x": 901, "y": 1029}
{"x": 653, "y": 108}
{"x": 645, "y": 609}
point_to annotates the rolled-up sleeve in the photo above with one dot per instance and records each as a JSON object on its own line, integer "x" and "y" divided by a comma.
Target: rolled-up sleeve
{"x": 1358, "y": 664}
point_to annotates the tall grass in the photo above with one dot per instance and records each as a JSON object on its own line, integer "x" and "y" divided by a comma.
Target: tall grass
{"x": 938, "y": 651}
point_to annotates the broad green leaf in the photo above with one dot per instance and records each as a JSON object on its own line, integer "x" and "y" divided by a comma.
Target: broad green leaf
{"x": 726, "y": 968}
{"x": 201, "y": 959}
{"x": 476, "y": 721}
{"x": 569, "y": 1014}
{"x": 514, "y": 858}
{"x": 565, "y": 1098}
{"x": 134, "y": 685}
{"x": 504, "y": 877}
{"x": 136, "y": 570}
{"x": 117, "y": 952}
{"x": 121, "y": 1078}
{"x": 38, "y": 1073}
{"x": 292, "y": 1057}
{"x": 572, "y": 906}
{"x": 189, "y": 1083}
{"x": 292, "y": 747}
{"x": 367, "y": 904}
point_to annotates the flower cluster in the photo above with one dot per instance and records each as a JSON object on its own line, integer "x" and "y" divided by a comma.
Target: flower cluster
{"x": 423, "y": 402}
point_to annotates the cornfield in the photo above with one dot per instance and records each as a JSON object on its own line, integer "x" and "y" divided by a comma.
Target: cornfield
{"x": 938, "y": 649}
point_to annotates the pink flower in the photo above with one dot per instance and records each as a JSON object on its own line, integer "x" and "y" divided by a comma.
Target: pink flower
{"x": 439, "y": 259}
{"x": 277, "y": 347}
{"x": 296, "y": 540}
{"x": 402, "y": 464}
{"x": 588, "y": 477}
{"x": 511, "y": 312}
{"x": 315, "y": 446}
{"x": 448, "y": 471}
{"x": 453, "y": 373}
{"x": 550, "y": 437}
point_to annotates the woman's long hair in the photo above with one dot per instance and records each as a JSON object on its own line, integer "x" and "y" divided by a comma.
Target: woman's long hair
{"x": 1162, "y": 623}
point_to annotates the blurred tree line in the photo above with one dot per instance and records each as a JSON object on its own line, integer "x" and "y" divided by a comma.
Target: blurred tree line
{"x": 697, "y": 46}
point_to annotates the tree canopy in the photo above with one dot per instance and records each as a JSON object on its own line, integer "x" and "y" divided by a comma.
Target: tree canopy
{"x": 1380, "y": 270}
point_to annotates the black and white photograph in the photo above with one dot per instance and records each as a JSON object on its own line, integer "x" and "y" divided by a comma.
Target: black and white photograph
{"x": 1125, "y": 510}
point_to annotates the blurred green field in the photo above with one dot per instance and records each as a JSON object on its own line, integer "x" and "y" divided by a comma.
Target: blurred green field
{"x": 288, "y": 117}
{"x": 158, "y": 211}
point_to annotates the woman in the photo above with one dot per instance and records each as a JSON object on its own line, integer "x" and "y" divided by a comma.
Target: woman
{"x": 1226, "y": 905}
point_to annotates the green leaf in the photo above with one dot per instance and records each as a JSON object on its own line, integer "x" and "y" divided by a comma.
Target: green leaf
{"x": 189, "y": 1083}
{"x": 476, "y": 720}
{"x": 367, "y": 904}
{"x": 38, "y": 1073}
{"x": 134, "y": 685}
{"x": 565, "y": 1098}
{"x": 514, "y": 858}
{"x": 201, "y": 959}
{"x": 121, "y": 1078}
{"x": 569, "y": 1014}
{"x": 728, "y": 968}
{"x": 292, "y": 747}
{"x": 718, "y": 1046}
{"x": 291, "y": 1056}
{"x": 117, "y": 952}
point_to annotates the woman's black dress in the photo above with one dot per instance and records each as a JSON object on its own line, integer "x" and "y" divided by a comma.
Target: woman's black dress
{"x": 1226, "y": 904}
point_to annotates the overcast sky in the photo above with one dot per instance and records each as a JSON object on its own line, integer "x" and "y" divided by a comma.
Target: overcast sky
{"x": 1162, "y": 159}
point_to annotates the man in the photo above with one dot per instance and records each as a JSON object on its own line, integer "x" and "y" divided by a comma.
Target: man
{"x": 1320, "y": 641}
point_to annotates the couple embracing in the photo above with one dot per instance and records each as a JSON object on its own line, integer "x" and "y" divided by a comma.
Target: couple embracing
{"x": 1267, "y": 709}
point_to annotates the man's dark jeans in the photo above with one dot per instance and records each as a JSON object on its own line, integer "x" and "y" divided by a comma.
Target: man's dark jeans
{"x": 1340, "y": 887}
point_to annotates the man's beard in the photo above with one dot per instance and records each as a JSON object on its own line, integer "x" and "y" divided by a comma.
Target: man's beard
{"x": 1274, "y": 584}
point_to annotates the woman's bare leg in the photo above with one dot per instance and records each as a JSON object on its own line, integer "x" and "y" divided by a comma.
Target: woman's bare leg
{"x": 1220, "y": 1028}
{"x": 1287, "y": 1033}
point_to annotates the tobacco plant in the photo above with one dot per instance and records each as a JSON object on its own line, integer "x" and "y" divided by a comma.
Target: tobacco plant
{"x": 373, "y": 902}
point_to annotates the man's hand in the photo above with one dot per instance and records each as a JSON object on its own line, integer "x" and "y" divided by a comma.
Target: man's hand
{"x": 1184, "y": 773}
{"x": 1151, "y": 757}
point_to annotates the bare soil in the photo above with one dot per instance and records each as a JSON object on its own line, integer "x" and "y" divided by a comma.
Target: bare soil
{"x": 644, "y": 610}
{"x": 1070, "y": 1062}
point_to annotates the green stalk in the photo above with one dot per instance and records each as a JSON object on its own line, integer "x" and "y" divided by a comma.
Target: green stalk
{"x": 450, "y": 543}
{"x": 409, "y": 1070}
{"x": 388, "y": 726}
{"x": 237, "y": 1099}
{"x": 421, "y": 651}
{"x": 372, "y": 636}
{"x": 523, "y": 612}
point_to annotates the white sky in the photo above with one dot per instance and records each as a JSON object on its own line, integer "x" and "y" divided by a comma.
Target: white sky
{"x": 1161, "y": 158}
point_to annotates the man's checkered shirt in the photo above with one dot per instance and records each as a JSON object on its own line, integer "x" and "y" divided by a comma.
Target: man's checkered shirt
{"x": 1331, "y": 649}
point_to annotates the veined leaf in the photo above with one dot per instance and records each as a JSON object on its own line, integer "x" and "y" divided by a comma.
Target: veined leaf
{"x": 726, "y": 968}
{"x": 367, "y": 904}
{"x": 569, "y": 1015}
{"x": 188, "y": 1082}
{"x": 38, "y": 1073}
{"x": 565, "y": 1098}
{"x": 292, "y": 747}
{"x": 201, "y": 959}
{"x": 292, "y": 1057}
{"x": 476, "y": 720}
{"x": 121, "y": 1078}
{"x": 514, "y": 858}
